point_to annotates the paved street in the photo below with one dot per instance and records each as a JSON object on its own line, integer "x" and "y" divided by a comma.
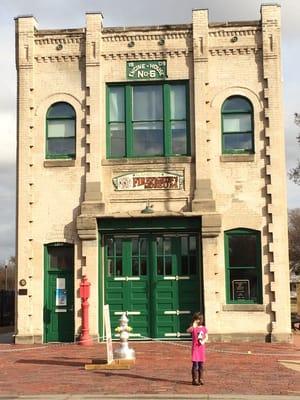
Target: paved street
{"x": 161, "y": 369}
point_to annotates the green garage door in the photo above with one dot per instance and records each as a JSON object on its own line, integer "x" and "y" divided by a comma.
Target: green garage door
{"x": 155, "y": 278}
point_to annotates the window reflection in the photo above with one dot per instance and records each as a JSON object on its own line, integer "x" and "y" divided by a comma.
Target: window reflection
{"x": 237, "y": 125}
{"x": 147, "y": 120}
{"x": 60, "y": 131}
{"x": 61, "y": 257}
{"x": 175, "y": 255}
{"x": 147, "y": 103}
{"x": 148, "y": 138}
{"x": 243, "y": 265}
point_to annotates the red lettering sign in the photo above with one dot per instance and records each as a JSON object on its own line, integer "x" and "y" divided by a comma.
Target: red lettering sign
{"x": 156, "y": 182}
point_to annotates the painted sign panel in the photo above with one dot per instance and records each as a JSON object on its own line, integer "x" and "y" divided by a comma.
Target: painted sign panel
{"x": 145, "y": 70}
{"x": 241, "y": 289}
{"x": 61, "y": 293}
{"x": 109, "y": 347}
{"x": 149, "y": 180}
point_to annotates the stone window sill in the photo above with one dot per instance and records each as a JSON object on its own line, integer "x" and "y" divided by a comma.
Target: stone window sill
{"x": 154, "y": 160}
{"x": 237, "y": 158}
{"x": 244, "y": 307}
{"x": 59, "y": 163}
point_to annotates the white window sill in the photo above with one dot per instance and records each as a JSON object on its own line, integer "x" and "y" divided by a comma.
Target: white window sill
{"x": 59, "y": 163}
{"x": 146, "y": 160}
{"x": 237, "y": 158}
{"x": 244, "y": 307}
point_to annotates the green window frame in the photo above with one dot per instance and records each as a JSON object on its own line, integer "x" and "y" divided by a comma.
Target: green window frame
{"x": 134, "y": 251}
{"x": 60, "y": 131}
{"x": 237, "y": 126}
{"x": 243, "y": 266}
{"x": 59, "y": 256}
{"x": 122, "y": 251}
{"x": 147, "y": 119}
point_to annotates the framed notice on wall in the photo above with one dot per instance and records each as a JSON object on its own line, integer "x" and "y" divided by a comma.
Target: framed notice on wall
{"x": 241, "y": 289}
{"x": 61, "y": 293}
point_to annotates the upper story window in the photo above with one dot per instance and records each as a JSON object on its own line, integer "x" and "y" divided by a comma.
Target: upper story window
{"x": 237, "y": 126}
{"x": 243, "y": 266}
{"x": 60, "y": 131}
{"x": 146, "y": 120}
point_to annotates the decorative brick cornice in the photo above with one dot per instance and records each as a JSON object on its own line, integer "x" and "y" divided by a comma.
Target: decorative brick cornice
{"x": 229, "y": 51}
{"x": 148, "y": 55}
{"x": 58, "y": 40}
{"x": 233, "y": 32}
{"x": 58, "y": 58}
{"x": 127, "y": 37}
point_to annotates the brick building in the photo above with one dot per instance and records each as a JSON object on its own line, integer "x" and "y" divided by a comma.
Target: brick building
{"x": 151, "y": 160}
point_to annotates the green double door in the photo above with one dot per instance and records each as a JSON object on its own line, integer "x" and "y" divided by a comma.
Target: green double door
{"x": 155, "y": 278}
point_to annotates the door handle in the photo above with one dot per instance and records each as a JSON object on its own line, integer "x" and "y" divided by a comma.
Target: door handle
{"x": 71, "y": 309}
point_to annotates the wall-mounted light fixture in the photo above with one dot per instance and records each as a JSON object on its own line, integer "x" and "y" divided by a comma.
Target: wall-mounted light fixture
{"x": 148, "y": 209}
{"x": 131, "y": 44}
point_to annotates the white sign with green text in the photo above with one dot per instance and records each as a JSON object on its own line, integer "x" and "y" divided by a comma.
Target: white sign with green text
{"x": 145, "y": 70}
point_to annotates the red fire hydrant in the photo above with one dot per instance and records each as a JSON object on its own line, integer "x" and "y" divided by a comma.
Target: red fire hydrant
{"x": 85, "y": 339}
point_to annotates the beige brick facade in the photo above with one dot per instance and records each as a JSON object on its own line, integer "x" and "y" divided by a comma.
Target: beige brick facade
{"x": 62, "y": 201}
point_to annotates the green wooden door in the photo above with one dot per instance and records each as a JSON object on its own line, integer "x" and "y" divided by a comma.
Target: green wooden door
{"x": 155, "y": 278}
{"x": 59, "y": 294}
{"x": 176, "y": 293}
{"x": 127, "y": 282}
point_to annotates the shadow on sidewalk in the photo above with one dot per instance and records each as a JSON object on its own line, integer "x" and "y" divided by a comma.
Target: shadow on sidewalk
{"x": 148, "y": 378}
{"x": 52, "y": 362}
{"x": 62, "y": 361}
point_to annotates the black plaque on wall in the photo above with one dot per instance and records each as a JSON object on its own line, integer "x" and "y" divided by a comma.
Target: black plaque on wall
{"x": 241, "y": 289}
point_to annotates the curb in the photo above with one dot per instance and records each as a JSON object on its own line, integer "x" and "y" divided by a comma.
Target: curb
{"x": 150, "y": 396}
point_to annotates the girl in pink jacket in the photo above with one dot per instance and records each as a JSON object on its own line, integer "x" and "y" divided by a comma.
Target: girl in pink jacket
{"x": 199, "y": 338}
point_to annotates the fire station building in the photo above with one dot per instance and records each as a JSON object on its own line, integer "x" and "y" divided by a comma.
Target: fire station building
{"x": 151, "y": 161}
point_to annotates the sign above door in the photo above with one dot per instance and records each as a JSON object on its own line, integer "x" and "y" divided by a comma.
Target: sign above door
{"x": 149, "y": 180}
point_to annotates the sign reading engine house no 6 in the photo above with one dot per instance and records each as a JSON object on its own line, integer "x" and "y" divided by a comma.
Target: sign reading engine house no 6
{"x": 138, "y": 70}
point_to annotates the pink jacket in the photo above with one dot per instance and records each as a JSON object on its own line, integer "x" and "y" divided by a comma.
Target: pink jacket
{"x": 199, "y": 337}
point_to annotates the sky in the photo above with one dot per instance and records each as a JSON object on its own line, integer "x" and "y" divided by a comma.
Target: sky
{"x": 52, "y": 14}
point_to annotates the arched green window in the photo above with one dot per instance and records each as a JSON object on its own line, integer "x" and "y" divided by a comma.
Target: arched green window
{"x": 237, "y": 126}
{"x": 60, "y": 131}
{"x": 243, "y": 266}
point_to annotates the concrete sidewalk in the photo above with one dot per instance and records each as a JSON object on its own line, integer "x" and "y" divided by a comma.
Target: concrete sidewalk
{"x": 162, "y": 370}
